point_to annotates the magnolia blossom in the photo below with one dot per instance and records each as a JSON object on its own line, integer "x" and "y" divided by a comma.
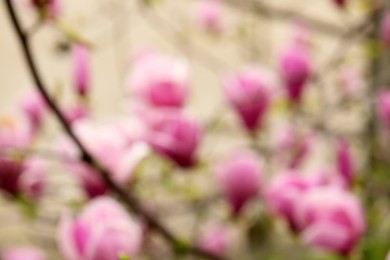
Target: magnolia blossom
{"x": 215, "y": 240}
{"x": 351, "y": 82}
{"x": 159, "y": 81}
{"x": 239, "y": 178}
{"x": 75, "y": 113}
{"x": 385, "y": 30}
{"x": 81, "y": 69}
{"x": 344, "y": 162}
{"x": 340, "y": 3}
{"x": 283, "y": 193}
{"x": 331, "y": 219}
{"x": 33, "y": 106}
{"x": 248, "y": 93}
{"x": 17, "y": 137}
{"x": 15, "y": 134}
{"x": 208, "y": 15}
{"x": 325, "y": 177}
{"x": 26, "y": 177}
{"x": 10, "y": 172}
{"x": 111, "y": 147}
{"x": 175, "y": 136}
{"x": 103, "y": 231}
{"x": 295, "y": 69}
{"x": 383, "y": 108}
{"x": 23, "y": 253}
{"x": 32, "y": 182}
{"x": 301, "y": 34}
{"x": 292, "y": 148}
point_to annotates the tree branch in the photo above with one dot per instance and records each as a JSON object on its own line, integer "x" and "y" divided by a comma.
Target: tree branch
{"x": 262, "y": 9}
{"x": 127, "y": 198}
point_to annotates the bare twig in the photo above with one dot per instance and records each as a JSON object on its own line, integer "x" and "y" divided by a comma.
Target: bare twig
{"x": 262, "y": 9}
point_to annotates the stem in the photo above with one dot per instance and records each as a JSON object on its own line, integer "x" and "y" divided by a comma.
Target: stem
{"x": 127, "y": 198}
{"x": 263, "y": 9}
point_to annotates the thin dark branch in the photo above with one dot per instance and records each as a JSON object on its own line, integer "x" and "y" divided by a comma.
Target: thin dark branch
{"x": 127, "y": 198}
{"x": 265, "y": 10}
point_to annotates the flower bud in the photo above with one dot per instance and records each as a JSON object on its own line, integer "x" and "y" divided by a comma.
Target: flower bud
{"x": 10, "y": 172}
{"x": 331, "y": 219}
{"x": 292, "y": 148}
{"x": 103, "y": 230}
{"x": 295, "y": 69}
{"x": 75, "y": 113}
{"x": 33, "y": 106}
{"x": 383, "y": 108}
{"x": 248, "y": 93}
{"x": 340, "y": 3}
{"x": 351, "y": 82}
{"x": 109, "y": 145}
{"x": 301, "y": 34}
{"x": 175, "y": 136}
{"x": 239, "y": 178}
{"x": 81, "y": 69}
{"x": 33, "y": 179}
{"x": 344, "y": 162}
{"x": 159, "y": 81}
{"x": 283, "y": 193}
{"x": 215, "y": 240}
{"x": 208, "y": 15}
{"x": 385, "y": 30}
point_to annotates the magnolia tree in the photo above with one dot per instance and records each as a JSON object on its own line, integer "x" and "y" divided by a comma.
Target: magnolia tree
{"x": 302, "y": 182}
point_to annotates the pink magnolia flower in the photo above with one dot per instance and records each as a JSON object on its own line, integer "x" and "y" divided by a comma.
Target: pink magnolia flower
{"x": 331, "y": 219}
{"x": 23, "y": 253}
{"x": 15, "y": 134}
{"x": 385, "y": 30}
{"x": 383, "y": 107}
{"x": 175, "y": 136}
{"x": 32, "y": 182}
{"x": 103, "y": 231}
{"x": 239, "y": 178}
{"x": 208, "y": 15}
{"x": 33, "y": 106}
{"x": 248, "y": 93}
{"x": 340, "y": 3}
{"x": 300, "y": 34}
{"x": 10, "y": 172}
{"x": 109, "y": 145}
{"x": 344, "y": 162}
{"x": 292, "y": 147}
{"x": 81, "y": 69}
{"x": 283, "y": 193}
{"x": 351, "y": 82}
{"x": 75, "y": 113}
{"x": 325, "y": 177}
{"x": 295, "y": 68}
{"x": 13, "y": 137}
{"x": 215, "y": 240}
{"x": 26, "y": 178}
{"x": 159, "y": 81}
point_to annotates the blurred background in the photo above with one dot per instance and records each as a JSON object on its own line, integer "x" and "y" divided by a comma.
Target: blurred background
{"x": 249, "y": 33}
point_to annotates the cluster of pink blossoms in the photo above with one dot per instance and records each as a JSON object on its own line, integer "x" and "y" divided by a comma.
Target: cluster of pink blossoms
{"x": 320, "y": 207}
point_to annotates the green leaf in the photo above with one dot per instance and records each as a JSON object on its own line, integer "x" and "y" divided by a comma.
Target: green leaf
{"x": 72, "y": 35}
{"x": 180, "y": 247}
{"x": 123, "y": 256}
